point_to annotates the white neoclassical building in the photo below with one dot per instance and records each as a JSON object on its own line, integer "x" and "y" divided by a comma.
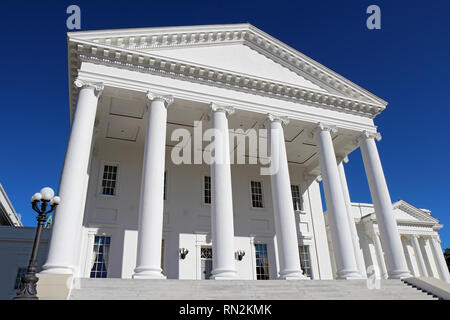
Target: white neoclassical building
{"x": 145, "y": 196}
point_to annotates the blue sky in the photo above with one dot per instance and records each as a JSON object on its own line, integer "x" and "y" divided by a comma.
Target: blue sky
{"x": 406, "y": 63}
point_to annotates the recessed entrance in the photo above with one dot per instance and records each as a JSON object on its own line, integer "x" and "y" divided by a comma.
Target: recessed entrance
{"x": 206, "y": 262}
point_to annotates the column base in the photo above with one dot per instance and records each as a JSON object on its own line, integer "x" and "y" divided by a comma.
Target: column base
{"x": 148, "y": 273}
{"x": 49, "y": 269}
{"x": 223, "y": 274}
{"x": 349, "y": 275}
{"x": 54, "y": 286}
{"x": 292, "y": 275}
{"x": 399, "y": 274}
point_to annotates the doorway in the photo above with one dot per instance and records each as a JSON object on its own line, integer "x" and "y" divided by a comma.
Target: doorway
{"x": 206, "y": 262}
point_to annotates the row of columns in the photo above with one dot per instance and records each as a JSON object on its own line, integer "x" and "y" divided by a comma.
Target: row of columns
{"x": 437, "y": 255}
{"x": 68, "y": 218}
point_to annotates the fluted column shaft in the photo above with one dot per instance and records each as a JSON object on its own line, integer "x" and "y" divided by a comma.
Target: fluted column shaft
{"x": 72, "y": 189}
{"x": 151, "y": 204}
{"x": 286, "y": 232}
{"x": 390, "y": 237}
{"x": 337, "y": 211}
{"x": 222, "y": 225}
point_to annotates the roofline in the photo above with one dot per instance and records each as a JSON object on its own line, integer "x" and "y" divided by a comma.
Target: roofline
{"x": 16, "y": 216}
{"x": 349, "y": 85}
{"x": 139, "y": 31}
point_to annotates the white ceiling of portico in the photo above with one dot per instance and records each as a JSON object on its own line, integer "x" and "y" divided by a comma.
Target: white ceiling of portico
{"x": 123, "y": 119}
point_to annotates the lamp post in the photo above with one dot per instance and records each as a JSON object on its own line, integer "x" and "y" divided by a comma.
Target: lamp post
{"x": 27, "y": 289}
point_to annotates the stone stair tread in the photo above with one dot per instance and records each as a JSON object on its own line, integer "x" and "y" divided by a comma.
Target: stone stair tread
{"x": 130, "y": 289}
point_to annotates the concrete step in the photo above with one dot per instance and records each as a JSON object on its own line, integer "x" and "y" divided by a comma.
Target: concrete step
{"x": 130, "y": 289}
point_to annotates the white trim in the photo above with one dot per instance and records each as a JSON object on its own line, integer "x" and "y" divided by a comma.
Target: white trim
{"x": 99, "y": 193}
{"x": 251, "y": 194}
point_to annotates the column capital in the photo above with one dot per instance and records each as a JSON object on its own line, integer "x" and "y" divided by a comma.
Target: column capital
{"x": 320, "y": 126}
{"x": 342, "y": 159}
{"x": 368, "y": 135}
{"x": 275, "y": 118}
{"x": 96, "y": 86}
{"x": 312, "y": 177}
{"x": 436, "y": 238}
{"x": 407, "y": 236}
{"x": 153, "y": 96}
{"x": 229, "y": 110}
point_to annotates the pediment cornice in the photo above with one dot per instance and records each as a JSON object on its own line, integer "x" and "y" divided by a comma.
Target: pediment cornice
{"x": 127, "y": 49}
{"x": 415, "y": 212}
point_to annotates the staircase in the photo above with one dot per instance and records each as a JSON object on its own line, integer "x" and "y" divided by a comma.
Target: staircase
{"x": 128, "y": 289}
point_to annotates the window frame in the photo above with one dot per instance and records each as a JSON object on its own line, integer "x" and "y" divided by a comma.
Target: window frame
{"x": 256, "y": 259}
{"x": 109, "y": 254}
{"x": 203, "y": 189}
{"x": 166, "y": 185}
{"x": 309, "y": 260}
{"x": 209, "y": 248}
{"x": 300, "y": 198}
{"x": 262, "y": 194}
{"x": 104, "y": 163}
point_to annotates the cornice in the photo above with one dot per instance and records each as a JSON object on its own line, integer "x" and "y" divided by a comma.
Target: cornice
{"x": 170, "y": 37}
{"x": 415, "y": 212}
{"x": 119, "y": 49}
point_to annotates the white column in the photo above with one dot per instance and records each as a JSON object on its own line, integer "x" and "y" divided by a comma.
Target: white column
{"x": 284, "y": 217}
{"x": 439, "y": 258}
{"x": 410, "y": 255}
{"x": 390, "y": 238}
{"x": 419, "y": 256}
{"x": 380, "y": 255}
{"x": 151, "y": 205}
{"x": 222, "y": 226}
{"x": 68, "y": 218}
{"x": 337, "y": 211}
{"x": 355, "y": 239}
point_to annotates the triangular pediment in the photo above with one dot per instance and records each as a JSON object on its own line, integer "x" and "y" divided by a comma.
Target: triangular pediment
{"x": 403, "y": 211}
{"x": 238, "y": 56}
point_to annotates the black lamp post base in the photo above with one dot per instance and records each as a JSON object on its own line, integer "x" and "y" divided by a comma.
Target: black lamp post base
{"x": 27, "y": 289}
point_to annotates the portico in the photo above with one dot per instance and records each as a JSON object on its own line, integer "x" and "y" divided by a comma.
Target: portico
{"x": 123, "y": 195}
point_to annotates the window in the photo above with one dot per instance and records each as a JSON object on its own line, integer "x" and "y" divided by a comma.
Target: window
{"x": 257, "y": 196}
{"x": 20, "y": 273}
{"x": 100, "y": 256}
{"x": 296, "y": 199}
{"x": 165, "y": 186}
{"x": 305, "y": 260}
{"x": 262, "y": 262}
{"x": 207, "y": 189}
{"x": 162, "y": 255}
{"x": 206, "y": 262}
{"x": 109, "y": 180}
